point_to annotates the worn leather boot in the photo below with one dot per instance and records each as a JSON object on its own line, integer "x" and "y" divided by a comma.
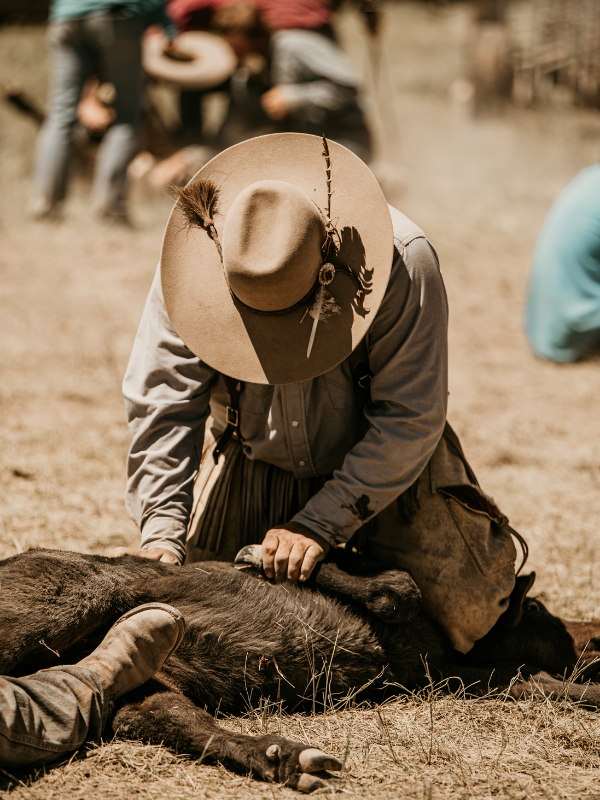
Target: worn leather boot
{"x": 136, "y": 647}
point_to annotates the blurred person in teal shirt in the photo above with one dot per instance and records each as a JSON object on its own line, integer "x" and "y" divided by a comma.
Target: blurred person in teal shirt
{"x": 562, "y": 315}
{"x": 93, "y": 37}
{"x": 152, "y": 11}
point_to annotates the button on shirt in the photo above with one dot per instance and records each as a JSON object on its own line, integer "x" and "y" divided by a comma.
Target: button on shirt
{"x": 312, "y": 428}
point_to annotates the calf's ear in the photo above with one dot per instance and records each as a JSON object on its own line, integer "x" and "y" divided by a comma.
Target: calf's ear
{"x": 514, "y": 612}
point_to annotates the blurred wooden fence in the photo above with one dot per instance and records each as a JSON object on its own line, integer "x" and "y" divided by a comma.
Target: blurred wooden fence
{"x": 534, "y": 49}
{"x": 562, "y": 48}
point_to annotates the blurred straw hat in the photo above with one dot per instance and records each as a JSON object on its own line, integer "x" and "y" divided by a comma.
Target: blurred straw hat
{"x": 203, "y": 60}
{"x": 271, "y": 273}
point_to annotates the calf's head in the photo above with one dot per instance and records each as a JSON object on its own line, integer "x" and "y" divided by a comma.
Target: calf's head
{"x": 526, "y": 634}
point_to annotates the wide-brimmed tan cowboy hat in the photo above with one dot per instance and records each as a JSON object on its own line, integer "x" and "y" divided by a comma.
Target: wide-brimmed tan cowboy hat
{"x": 201, "y": 60}
{"x": 276, "y": 258}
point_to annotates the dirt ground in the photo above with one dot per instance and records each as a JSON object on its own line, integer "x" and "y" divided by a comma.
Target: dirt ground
{"x": 71, "y": 295}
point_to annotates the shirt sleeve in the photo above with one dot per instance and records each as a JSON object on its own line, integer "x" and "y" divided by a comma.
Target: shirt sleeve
{"x": 408, "y": 355}
{"x": 318, "y": 95}
{"x": 312, "y": 71}
{"x": 167, "y": 395}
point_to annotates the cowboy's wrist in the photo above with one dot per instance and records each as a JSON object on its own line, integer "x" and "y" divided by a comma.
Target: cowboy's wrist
{"x": 324, "y": 517}
{"x": 311, "y": 529}
{"x": 165, "y": 534}
{"x": 299, "y": 529}
{"x": 166, "y": 547}
{"x": 295, "y": 96}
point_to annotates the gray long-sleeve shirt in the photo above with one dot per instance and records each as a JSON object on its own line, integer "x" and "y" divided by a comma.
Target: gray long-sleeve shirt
{"x": 310, "y": 428}
{"x": 316, "y": 74}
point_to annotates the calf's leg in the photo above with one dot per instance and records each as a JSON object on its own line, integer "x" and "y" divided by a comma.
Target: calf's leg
{"x": 173, "y": 720}
{"x": 543, "y": 685}
{"x": 532, "y": 682}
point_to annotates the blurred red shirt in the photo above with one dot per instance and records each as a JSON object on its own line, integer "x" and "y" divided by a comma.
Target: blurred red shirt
{"x": 191, "y": 15}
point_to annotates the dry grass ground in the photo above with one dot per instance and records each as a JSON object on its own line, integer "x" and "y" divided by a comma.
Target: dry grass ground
{"x": 71, "y": 296}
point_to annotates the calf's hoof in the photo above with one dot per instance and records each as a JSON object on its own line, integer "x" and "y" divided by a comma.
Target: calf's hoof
{"x": 250, "y": 558}
{"x": 250, "y": 554}
{"x": 305, "y": 769}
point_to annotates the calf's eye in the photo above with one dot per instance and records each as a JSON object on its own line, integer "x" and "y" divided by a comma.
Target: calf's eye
{"x": 531, "y": 605}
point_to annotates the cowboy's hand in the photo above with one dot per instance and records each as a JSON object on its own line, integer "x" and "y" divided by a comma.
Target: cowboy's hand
{"x": 275, "y": 103}
{"x": 155, "y": 553}
{"x": 291, "y": 552}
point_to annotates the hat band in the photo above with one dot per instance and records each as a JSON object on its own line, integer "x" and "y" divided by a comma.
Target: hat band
{"x": 307, "y": 297}
{"x": 320, "y": 280}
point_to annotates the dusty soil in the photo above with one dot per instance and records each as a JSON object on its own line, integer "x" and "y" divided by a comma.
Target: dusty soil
{"x": 71, "y": 295}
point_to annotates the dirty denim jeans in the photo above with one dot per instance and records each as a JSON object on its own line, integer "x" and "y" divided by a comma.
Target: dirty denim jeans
{"x": 101, "y": 44}
{"x": 49, "y": 714}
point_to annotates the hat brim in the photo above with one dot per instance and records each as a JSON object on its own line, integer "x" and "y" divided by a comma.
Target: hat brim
{"x": 272, "y": 349}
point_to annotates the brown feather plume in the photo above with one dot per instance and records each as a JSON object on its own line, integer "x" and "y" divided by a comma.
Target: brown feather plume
{"x": 199, "y": 202}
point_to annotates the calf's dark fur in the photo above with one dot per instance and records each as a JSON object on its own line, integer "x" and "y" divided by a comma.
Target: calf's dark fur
{"x": 355, "y": 627}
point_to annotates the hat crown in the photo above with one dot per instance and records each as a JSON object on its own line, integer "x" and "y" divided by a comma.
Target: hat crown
{"x": 274, "y": 348}
{"x": 272, "y": 242}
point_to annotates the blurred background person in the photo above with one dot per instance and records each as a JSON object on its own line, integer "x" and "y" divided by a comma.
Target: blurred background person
{"x": 93, "y": 37}
{"x": 289, "y": 64}
{"x": 307, "y": 85}
{"x": 194, "y": 15}
{"x": 562, "y": 316}
{"x": 190, "y": 15}
{"x": 286, "y": 80}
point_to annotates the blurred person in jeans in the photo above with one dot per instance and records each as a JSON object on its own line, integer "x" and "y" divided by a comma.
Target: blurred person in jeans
{"x": 90, "y": 37}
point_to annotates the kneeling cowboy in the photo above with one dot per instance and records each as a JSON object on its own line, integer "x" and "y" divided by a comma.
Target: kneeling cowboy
{"x": 288, "y": 384}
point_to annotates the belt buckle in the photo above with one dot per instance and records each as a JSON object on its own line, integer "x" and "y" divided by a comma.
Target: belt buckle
{"x": 232, "y": 416}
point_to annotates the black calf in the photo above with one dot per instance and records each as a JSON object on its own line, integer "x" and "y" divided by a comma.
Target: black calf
{"x": 355, "y": 628}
